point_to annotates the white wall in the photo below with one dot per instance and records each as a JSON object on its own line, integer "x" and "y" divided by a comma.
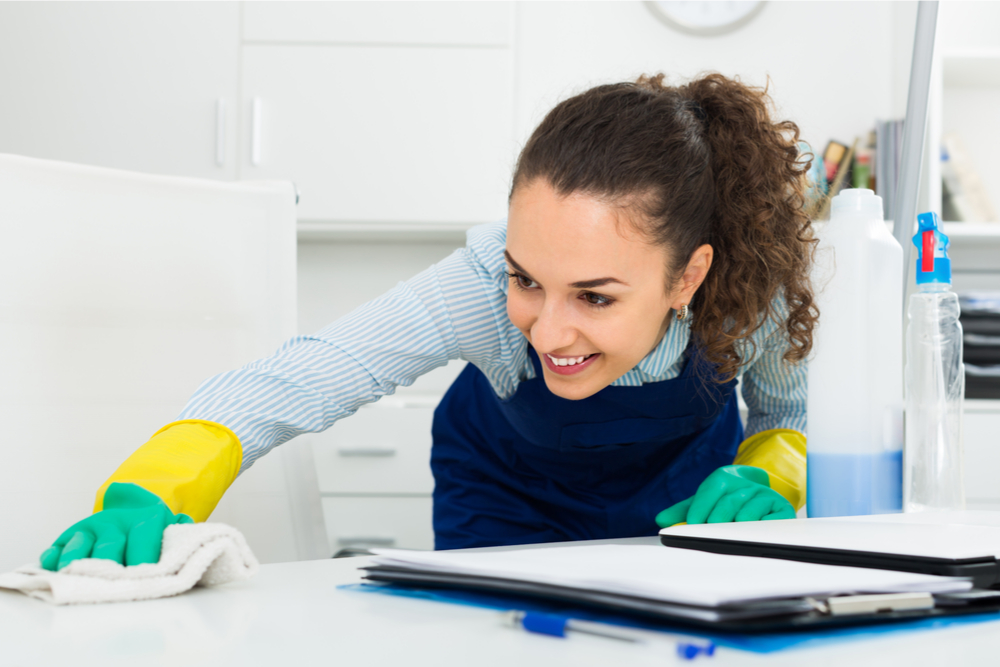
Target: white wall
{"x": 832, "y": 65}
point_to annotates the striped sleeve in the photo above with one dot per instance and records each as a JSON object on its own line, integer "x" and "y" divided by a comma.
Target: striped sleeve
{"x": 774, "y": 389}
{"x": 454, "y": 309}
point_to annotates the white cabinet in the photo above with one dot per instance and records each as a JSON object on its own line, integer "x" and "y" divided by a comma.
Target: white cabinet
{"x": 430, "y": 144}
{"x": 132, "y": 86}
{"x": 981, "y": 435}
{"x": 375, "y": 479}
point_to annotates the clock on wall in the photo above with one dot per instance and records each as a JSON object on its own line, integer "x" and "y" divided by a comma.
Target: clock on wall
{"x": 705, "y": 17}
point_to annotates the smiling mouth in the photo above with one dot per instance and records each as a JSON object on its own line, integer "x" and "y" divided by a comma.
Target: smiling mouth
{"x": 570, "y": 365}
{"x": 568, "y": 361}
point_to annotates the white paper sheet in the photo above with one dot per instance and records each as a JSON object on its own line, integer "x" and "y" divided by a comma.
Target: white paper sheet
{"x": 671, "y": 575}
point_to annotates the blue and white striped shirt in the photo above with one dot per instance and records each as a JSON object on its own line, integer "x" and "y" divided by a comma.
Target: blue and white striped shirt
{"x": 456, "y": 309}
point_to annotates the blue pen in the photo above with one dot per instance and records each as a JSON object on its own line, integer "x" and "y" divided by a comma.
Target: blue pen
{"x": 557, "y": 626}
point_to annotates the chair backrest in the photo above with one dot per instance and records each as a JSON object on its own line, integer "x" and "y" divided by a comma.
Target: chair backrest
{"x": 119, "y": 294}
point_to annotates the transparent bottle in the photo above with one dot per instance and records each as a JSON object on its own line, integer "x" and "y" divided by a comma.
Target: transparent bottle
{"x": 935, "y": 381}
{"x": 855, "y": 393}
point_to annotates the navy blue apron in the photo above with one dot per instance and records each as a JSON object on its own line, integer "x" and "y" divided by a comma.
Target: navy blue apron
{"x": 540, "y": 468}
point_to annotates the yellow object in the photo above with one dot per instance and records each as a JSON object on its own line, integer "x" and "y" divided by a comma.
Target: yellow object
{"x": 781, "y": 452}
{"x": 187, "y": 464}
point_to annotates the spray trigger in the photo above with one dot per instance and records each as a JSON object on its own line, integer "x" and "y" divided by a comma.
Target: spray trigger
{"x": 927, "y": 254}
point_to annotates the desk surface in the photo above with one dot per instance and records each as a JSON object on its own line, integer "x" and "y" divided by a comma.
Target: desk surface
{"x": 293, "y": 614}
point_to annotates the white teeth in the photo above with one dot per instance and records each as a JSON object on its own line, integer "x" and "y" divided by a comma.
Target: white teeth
{"x": 566, "y": 361}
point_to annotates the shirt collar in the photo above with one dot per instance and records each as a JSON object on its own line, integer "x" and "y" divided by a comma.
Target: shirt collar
{"x": 671, "y": 346}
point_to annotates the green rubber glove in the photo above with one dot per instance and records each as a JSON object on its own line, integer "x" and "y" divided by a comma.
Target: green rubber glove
{"x": 731, "y": 493}
{"x": 129, "y": 530}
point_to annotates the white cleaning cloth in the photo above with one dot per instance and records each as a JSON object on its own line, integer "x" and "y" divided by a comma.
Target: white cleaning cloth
{"x": 197, "y": 554}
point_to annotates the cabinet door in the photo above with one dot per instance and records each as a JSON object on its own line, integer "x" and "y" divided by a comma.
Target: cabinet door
{"x": 432, "y": 23}
{"x": 390, "y": 134}
{"x": 126, "y": 85}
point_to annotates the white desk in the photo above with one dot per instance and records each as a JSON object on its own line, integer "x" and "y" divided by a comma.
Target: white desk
{"x": 292, "y": 614}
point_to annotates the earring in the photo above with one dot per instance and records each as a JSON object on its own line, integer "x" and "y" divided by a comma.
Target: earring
{"x": 683, "y": 312}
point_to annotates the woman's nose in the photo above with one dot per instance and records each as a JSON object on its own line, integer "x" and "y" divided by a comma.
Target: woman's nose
{"x": 553, "y": 329}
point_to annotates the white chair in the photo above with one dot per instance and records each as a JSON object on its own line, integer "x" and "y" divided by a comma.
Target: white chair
{"x": 119, "y": 294}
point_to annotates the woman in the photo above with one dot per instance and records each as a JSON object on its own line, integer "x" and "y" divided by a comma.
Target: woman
{"x": 655, "y": 248}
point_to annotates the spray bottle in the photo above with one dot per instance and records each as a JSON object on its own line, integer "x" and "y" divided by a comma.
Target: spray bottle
{"x": 935, "y": 380}
{"x": 855, "y": 398}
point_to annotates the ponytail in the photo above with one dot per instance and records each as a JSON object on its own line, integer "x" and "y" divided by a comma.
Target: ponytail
{"x": 761, "y": 234}
{"x": 700, "y": 163}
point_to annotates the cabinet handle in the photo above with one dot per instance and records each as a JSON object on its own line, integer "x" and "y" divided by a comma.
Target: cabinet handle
{"x": 220, "y": 132}
{"x": 366, "y": 451}
{"x": 367, "y": 541}
{"x": 255, "y": 121}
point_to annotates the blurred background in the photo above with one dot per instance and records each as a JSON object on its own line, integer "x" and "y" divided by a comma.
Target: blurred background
{"x": 399, "y": 123}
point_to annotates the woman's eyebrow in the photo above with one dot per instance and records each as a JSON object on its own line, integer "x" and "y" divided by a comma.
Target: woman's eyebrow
{"x": 580, "y": 284}
{"x": 517, "y": 267}
{"x": 597, "y": 282}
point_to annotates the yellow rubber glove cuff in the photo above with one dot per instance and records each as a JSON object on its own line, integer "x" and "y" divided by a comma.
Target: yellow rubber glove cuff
{"x": 188, "y": 464}
{"x": 781, "y": 452}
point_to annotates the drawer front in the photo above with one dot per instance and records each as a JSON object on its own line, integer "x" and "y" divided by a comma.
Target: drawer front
{"x": 431, "y": 145}
{"x": 376, "y": 450}
{"x": 982, "y": 457}
{"x": 403, "y": 523}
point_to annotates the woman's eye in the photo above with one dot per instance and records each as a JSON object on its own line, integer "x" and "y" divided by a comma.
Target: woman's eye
{"x": 597, "y": 299}
{"x": 522, "y": 281}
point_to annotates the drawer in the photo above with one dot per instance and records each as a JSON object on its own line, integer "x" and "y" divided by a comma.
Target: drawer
{"x": 981, "y": 437}
{"x": 377, "y": 450}
{"x": 403, "y": 523}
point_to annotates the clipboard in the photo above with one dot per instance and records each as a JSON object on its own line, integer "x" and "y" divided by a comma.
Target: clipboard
{"x": 681, "y": 587}
{"x": 754, "y": 618}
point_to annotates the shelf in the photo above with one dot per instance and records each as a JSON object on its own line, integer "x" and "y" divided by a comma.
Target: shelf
{"x": 313, "y": 231}
{"x": 973, "y": 231}
{"x": 310, "y": 231}
{"x": 980, "y": 405}
{"x": 971, "y": 69}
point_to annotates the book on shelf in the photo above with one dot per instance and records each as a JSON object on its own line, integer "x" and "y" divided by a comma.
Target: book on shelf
{"x": 888, "y": 152}
{"x": 839, "y": 160}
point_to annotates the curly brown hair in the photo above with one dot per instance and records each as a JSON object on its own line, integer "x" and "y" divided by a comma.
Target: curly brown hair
{"x": 701, "y": 163}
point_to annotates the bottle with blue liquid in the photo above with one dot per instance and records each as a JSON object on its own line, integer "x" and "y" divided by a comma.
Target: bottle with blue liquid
{"x": 855, "y": 392}
{"x": 935, "y": 380}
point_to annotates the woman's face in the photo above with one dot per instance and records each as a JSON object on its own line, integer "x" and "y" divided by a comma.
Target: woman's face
{"x": 588, "y": 291}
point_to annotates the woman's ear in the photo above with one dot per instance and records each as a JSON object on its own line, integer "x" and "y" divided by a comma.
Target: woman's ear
{"x": 693, "y": 276}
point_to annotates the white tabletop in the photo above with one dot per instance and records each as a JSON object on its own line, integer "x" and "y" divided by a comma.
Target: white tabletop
{"x": 293, "y": 613}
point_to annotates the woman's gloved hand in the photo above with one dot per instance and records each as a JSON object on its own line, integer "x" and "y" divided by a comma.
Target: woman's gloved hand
{"x": 129, "y": 530}
{"x": 731, "y": 493}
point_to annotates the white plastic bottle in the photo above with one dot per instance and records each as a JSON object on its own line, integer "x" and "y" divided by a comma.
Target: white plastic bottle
{"x": 935, "y": 380}
{"x": 855, "y": 401}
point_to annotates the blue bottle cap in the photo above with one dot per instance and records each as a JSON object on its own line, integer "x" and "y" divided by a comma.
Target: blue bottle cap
{"x": 933, "y": 263}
